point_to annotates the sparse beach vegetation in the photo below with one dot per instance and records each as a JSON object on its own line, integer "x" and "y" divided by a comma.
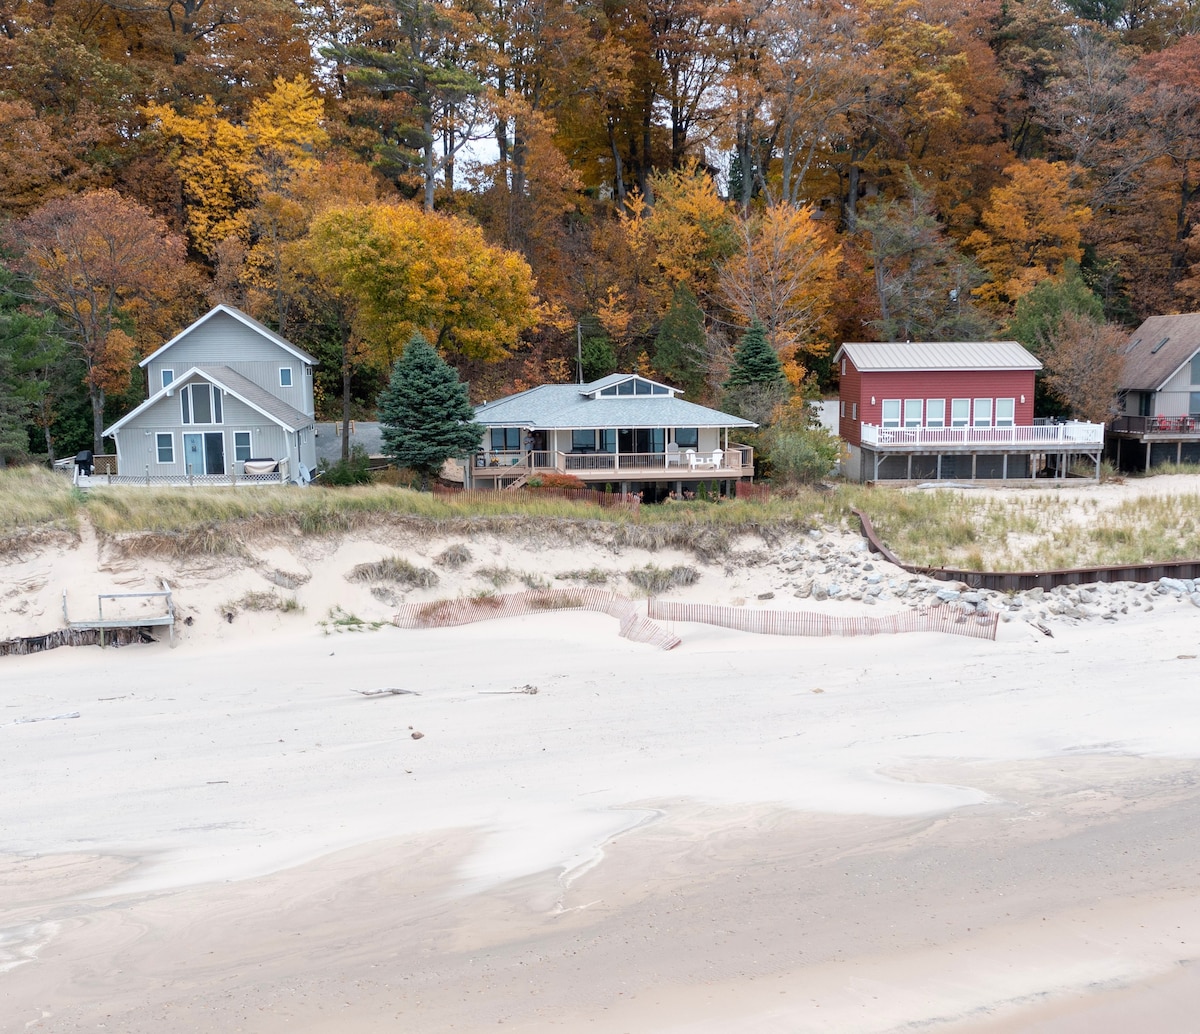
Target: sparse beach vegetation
{"x": 1017, "y": 530}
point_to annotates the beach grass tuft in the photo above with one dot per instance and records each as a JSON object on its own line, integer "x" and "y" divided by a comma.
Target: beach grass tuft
{"x": 394, "y": 569}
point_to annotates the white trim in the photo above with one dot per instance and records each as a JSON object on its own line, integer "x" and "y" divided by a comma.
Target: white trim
{"x": 241, "y": 317}
{"x": 249, "y": 446}
{"x": 929, "y": 404}
{"x": 975, "y": 414}
{"x": 960, "y": 420}
{"x": 291, "y": 381}
{"x": 211, "y": 379}
{"x": 1011, "y": 419}
{"x": 157, "y": 454}
{"x": 163, "y": 374}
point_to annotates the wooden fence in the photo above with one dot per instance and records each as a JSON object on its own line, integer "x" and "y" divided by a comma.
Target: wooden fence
{"x": 952, "y": 620}
{"x": 607, "y": 500}
{"x": 635, "y": 625}
{"x": 640, "y": 624}
{"x": 753, "y": 493}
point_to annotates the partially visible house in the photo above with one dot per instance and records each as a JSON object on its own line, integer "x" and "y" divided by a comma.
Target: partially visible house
{"x": 228, "y": 398}
{"x": 1158, "y": 397}
{"x": 959, "y": 410}
{"x": 624, "y": 430}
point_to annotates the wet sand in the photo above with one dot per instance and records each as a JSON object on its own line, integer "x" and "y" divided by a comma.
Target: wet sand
{"x": 913, "y": 832}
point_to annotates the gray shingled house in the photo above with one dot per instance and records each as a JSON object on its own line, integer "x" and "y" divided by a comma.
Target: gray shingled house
{"x": 1158, "y": 397}
{"x": 624, "y": 430}
{"x": 230, "y": 400}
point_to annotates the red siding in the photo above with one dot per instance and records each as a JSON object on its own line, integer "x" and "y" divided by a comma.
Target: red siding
{"x": 929, "y": 384}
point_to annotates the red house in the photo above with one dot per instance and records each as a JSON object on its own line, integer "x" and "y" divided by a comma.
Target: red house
{"x": 959, "y": 410}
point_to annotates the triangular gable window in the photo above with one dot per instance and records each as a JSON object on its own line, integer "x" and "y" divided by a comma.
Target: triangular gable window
{"x": 633, "y": 386}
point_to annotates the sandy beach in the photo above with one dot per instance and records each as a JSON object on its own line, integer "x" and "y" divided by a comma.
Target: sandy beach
{"x": 745, "y": 833}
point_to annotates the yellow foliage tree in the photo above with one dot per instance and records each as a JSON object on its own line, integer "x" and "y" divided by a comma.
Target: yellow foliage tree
{"x": 408, "y": 271}
{"x": 784, "y": 276}
{"x": 1032, "y": 226}
{"x": 226, "y": 168}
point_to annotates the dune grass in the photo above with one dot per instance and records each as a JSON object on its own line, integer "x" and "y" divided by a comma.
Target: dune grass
{"x": 37, "y": 498}
{"x": 1021, "y": 531}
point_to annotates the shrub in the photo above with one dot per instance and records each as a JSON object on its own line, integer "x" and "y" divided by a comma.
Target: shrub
{"x": 354, "y": 471}
{"x": 394, "y": 569}
{"x": 554, "y": 479}
{"x": 651, "y": 579}
{"x": 801, "y": 454}
{"x": 453, "y": 556}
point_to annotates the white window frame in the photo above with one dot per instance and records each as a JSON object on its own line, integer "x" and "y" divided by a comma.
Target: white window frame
{"x": 981, "y": 413}
{"x": 1009, "y": 406}
{"x": 167, "y": 376}
{"x": 158, "y": 444}
{"x": 249, "y": 446}
{"x": 914, "y": 412}
{"x": 842, "y": 411}
{"x": 290, "y": 382}
{"x": 935, "y": 412}
{"x": 853, "y": 410}
{"x": 960, "y": 412}
{"x": 187, "y": 409}
{"x": 889, "y": 421}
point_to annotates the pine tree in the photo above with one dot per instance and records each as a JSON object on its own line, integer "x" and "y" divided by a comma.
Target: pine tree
{"x": 425, "y": 413}
{"x": 755, "y": 362}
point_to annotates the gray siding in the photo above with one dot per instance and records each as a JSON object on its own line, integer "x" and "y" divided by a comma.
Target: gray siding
{"x": 137, "y": 441}
{"x": 1176, "y": 395}
{"x": 224, "y": 341}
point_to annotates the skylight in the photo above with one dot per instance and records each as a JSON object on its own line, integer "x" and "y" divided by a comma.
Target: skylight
{"x": 1159, "y": 345}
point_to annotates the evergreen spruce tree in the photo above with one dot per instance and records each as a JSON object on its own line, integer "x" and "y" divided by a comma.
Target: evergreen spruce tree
{"x": 755, "y": 362}
{"x": 756, "y": 386}
{"x": 425, "y": 414}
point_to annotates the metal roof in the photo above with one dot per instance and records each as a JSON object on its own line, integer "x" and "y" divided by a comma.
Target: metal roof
{"x": 247, "y": 321}
{"x": 1157, "y": 349}
{"x": 562, "y": 407}
{"x": 881, "y": 356}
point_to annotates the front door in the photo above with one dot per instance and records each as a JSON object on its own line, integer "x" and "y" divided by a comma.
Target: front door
{"x": 214, "y": 452}
{"x": 204, "y": 453}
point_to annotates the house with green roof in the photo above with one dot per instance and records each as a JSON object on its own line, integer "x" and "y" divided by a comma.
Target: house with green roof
{"x": 623, "y": 430}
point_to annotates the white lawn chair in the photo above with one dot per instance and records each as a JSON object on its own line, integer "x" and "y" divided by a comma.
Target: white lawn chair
{"x": 691, "y": 458}
{"x": 716, "y": 459}
{"x": 673, "y": 457}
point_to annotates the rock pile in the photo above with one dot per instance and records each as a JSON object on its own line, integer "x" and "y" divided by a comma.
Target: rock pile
{"x": 831, "y": 566}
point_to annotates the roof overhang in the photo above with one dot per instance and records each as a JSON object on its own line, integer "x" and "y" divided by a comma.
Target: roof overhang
{"x": 246, "y": 321}
{"x": 195, "y": 373}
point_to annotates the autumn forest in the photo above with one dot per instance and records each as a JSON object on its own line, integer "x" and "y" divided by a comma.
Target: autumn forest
{"x": 544, "y": 188}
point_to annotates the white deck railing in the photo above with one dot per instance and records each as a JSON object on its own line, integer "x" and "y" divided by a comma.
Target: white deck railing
{"x": 1072, "y": 433}
{"x": 735, "y": 459}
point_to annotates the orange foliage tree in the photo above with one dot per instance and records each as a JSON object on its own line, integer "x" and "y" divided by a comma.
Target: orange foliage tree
{"x": 1032, "y": 227}
{"x": 112, "y": 272}
{"x": 784, "y": 277}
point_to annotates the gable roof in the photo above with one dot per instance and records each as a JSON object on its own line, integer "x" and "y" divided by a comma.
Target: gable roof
{"x": 1157, "y": 349}
{"x": 563, "y": 407}
{"x": 896, "y": 356}
{"x": 248, "y": 321}
{"x": 241, "y": 388}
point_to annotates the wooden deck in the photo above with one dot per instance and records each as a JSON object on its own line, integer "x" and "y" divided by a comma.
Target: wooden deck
{"x": 100, "y": 622}
{"x": 597, "y": 467}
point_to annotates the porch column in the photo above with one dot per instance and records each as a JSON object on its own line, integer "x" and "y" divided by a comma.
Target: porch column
{"x": 1004, "y": 468}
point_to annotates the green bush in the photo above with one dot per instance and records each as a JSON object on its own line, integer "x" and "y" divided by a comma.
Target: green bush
{"x": 801, "y": 454}
{"x": 353, "y": 471}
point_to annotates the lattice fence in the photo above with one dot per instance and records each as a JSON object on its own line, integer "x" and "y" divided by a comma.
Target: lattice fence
{"x": 952, "y": 620}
